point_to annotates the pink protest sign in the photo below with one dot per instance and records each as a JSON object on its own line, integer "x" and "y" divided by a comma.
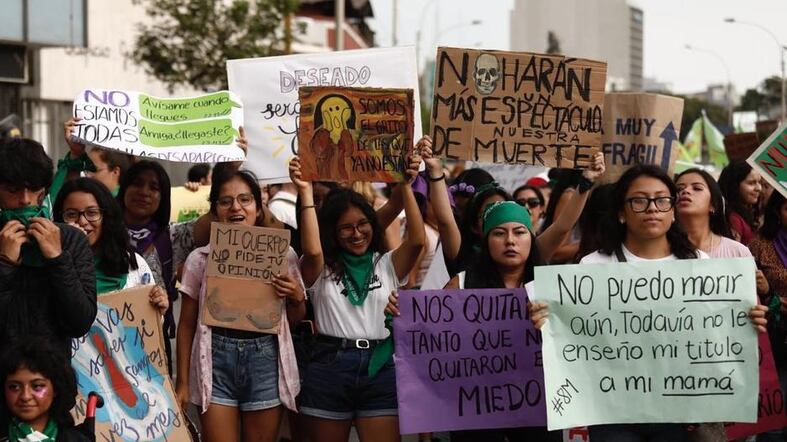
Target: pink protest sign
{"x": 467, "y": 359}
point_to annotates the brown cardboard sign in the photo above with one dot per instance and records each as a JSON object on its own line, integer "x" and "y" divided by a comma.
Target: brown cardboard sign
{"x": 740, "y": 146}
{"x": 517, "y": 107}
{"x": 241, "y": 264}
{"x": 640, "y": 128}
{"x": 247, "y": 252}
{"x": 355, "y": 134}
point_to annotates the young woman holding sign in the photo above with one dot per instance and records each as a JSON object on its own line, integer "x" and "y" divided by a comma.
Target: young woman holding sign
{"x": 350, "y": 374}
{"x": 232, "y": 373}
{"x": 644, "y": 230}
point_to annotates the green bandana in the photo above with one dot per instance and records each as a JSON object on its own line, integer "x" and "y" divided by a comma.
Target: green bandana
{"x": 22, "y": 432}
{"x": 31, "y": 254}
{"x": 107, "y": 283}
{"x": 384, "y": 351}
{"x": 503, "y": 212}
{"x": 66, "y": 165}
{"x": 358, "y": 272}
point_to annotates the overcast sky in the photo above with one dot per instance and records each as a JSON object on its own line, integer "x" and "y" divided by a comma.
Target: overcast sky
{"x": 750, "y": 53}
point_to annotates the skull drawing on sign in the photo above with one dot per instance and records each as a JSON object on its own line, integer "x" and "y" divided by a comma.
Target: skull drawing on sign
{"x": 486, "y": 73}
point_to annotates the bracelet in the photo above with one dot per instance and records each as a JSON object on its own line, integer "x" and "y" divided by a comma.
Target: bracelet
{"x": 434, "y": 180}
{"x": 584, "y": 184}
{"x": 308, "y": 207}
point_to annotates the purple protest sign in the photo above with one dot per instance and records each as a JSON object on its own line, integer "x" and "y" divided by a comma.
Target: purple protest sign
{"x": 467, "y": 359}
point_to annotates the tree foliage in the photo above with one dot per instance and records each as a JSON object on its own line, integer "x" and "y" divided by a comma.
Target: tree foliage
{"x": 187, "y": 42}
{"x": 766, "y": 95}
{"x": 692, "y": 109}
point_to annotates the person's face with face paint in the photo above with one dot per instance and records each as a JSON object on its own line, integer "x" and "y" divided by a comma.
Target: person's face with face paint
{"x": 335, "y": 115}
{"x": 29, "y": 396}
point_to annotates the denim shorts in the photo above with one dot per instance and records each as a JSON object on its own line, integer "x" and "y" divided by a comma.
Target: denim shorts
{"x": 336, "y": 385}
{"x": 245, "y": 372}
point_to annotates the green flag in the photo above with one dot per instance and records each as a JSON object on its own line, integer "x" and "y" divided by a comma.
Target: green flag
{"x": 715, "y": 141}
{"x": 692, "y": 144}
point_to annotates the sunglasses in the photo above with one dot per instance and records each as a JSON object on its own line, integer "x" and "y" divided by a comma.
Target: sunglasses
{"x": 529, "y": 202}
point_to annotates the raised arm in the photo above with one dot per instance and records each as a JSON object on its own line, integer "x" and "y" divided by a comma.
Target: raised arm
{"x": 450, "y": 236}
{"x": 549, "y": 241}
{"x": 405, "y": 256}
{"x": 312, "y": 261}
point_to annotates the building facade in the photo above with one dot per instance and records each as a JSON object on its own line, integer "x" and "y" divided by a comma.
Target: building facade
{"x": 604, "y": 30}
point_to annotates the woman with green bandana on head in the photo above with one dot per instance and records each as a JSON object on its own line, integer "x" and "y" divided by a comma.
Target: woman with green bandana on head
{"x": 47, "y": 277}
{"x": 350, "y": 374}
{"x": 87, "y": 204}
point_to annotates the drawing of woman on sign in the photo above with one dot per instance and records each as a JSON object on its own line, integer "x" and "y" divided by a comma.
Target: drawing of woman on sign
{"x": 332, "y": 142}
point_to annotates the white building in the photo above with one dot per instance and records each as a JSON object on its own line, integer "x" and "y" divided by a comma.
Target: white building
{"x": 604, "y": 30}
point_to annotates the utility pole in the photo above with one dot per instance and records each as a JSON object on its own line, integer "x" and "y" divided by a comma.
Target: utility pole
{"x": 339, "y": 34}
{"x": 393, "y": 26}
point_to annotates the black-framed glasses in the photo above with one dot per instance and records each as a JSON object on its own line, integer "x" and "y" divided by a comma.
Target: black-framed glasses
{"x": 91, "y": 214}
{"x": 529, "y": 202}
{"x": 347, "y": 230}
{"x": 640, "y": 204}
{"x": 244, "y": 199}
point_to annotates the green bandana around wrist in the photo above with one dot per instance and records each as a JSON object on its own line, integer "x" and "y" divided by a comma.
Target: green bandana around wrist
{"x": 31, "y": 254}
{"x": 107, "y": 283}
{"x": 358, "y": 272}
{"x": 67, "y": 164}
{"x": 384, "y": 350}
{"x": 21, "y": 432}
{"x": 503, "y": 212}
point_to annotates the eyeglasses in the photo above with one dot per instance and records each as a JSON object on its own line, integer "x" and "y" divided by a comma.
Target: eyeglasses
{"x": 92, "y": 214}
{"x": 529, "y": 202}
{"x": 347, "y": 230}
{"x": 244, "y": 199}
{"x": 640, "y": 204}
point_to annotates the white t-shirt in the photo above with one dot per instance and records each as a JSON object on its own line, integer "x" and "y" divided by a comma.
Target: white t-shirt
{"x": 137, "y": 277}
{"x": 337, "y": 317}
{"x": 600, "y": 258}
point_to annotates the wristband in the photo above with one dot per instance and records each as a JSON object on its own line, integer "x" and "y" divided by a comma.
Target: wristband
{"x": 434, "y": 180}
{"x": 584, "y": 184}
{"x": 308, "y": 207}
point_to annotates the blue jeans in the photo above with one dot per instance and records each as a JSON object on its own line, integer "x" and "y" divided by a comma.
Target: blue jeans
{"x": 245, "y": 372}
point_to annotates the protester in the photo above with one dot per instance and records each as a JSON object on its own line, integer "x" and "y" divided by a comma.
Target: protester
{"x": 465, "y": 186}
{"x": 282, "y": 203}
{"x": 144, "y": 198}
{"x": 40, "y": 389}
{"x": 200, "y": 174}
{"x": 47, "y": 281}
{"x": 350, "y": 375}
{"x": 87, "y": 204}
{"x": 643, "y": 228}
{"x": 741, "y": 187}
{"x": 234, "y": 374}
{"x": 531, "y": 198}
{"x": 591, "y": 222}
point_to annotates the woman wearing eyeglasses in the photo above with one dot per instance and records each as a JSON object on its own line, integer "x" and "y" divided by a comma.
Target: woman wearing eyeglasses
{"x": 350, "y": 374}
{"x": 531, "y": 198}
{"x": 645, "y": 230}
{"x": 235, "y": 375}
{"x": 87, "y": 204}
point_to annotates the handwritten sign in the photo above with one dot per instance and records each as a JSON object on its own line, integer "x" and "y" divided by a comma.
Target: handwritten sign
{"x": 188, "y": 205}
{"x": 122, "y": 358}
{"x": 770, "y": 159}
{"x": 198, "y": 129}
{"x": 517, "y": 107}
{"x": 771, "y": 411}
{"x": 740, "y": 146}
{"x": 640, "y": 129}
{"x": 673, "y": 337}
{"x": 355, "y": 134}
{"x": 241, "y": 264}
{"x": 471, "y": 354}
{"x": 270, "y": 86}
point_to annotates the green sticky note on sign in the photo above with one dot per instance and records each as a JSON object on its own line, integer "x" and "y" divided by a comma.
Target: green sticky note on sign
{"x": 168, "y": 110}
{"x": 207, "y": 132}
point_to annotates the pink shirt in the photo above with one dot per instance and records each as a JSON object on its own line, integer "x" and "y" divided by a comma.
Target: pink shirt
{"x": 729, "y": 248}
{"x": 193, "y": 285}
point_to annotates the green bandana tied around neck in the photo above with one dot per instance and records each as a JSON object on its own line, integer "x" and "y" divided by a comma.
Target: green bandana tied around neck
{"x": 22, "y": 432}
{"x": 505, "y": 212}
{"x": 31, "y": 254}
{"x": 67, "y": 164}
{"x": 358, "y": 272}
{"x": 107, "y": 283}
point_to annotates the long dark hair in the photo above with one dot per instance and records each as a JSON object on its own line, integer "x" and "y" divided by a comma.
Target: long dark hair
{"x": 565, "y": 179}
{"x": 484, "y": 272}
{"x": 718, "y": 219}
{"x": 773, "y": 220}
{"x": 591, "y": 221}
{"x": 38, "y": 355}
{"x": 223, "y": 178}
{"x": 730, "y": 181}
{"x": 470, "y": 238}
{"x": 336, "y": 203}
{"x": 161, "y": 217}
{"x": 615, "y": 233}
{"x": 113, "y": 247}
